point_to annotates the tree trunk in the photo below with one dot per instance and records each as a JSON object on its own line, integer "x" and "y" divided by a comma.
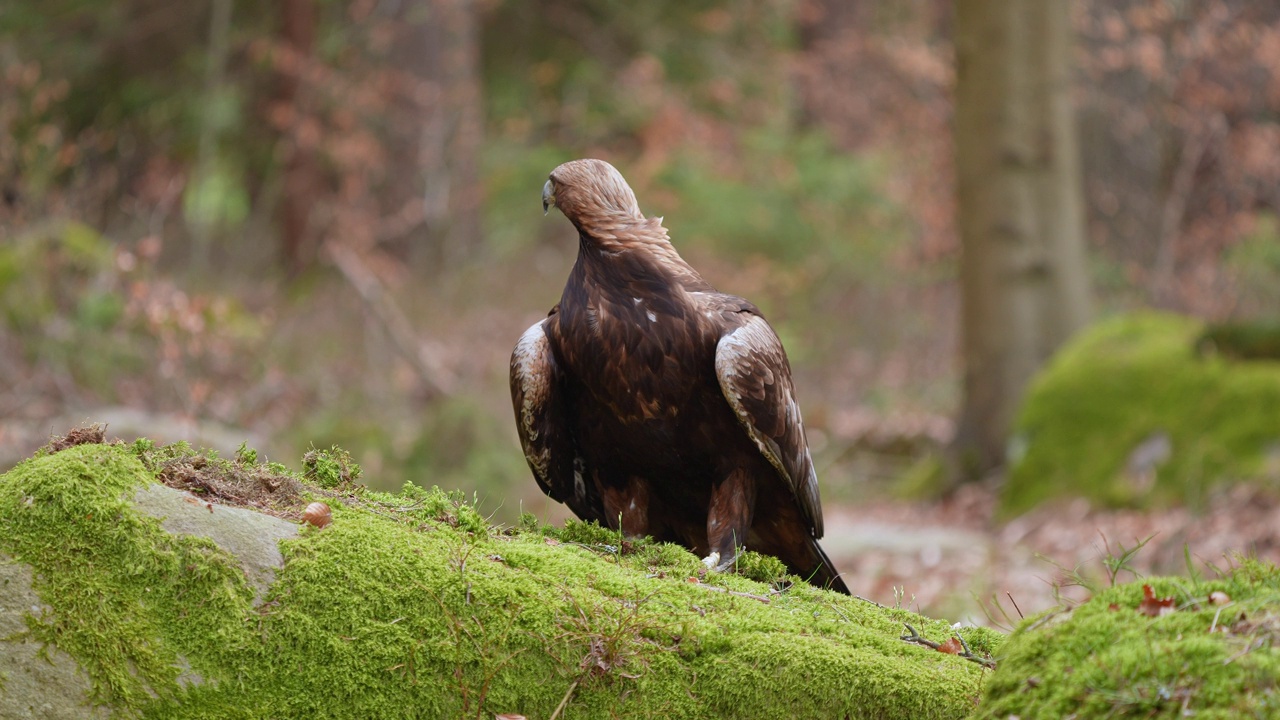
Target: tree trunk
{"x": 1024, "y": 279}
{"x": 298, "y": 20}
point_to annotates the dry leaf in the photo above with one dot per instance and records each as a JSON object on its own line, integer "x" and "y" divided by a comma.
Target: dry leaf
{"x": 1152, "y": 605}
{"x": 951, "y": 647}
{"x": 550, "y": 541}
{"x": 508, "y": 716}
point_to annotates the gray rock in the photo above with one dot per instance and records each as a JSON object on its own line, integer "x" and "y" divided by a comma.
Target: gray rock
{"x": 55, "y": 686}
{"x": 252, "y": 537}
{"x": 40, "y": 688}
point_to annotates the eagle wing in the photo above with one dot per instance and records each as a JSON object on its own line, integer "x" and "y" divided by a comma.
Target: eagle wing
{"x": 755, "y": 378}
{"x": 543, "y": 426}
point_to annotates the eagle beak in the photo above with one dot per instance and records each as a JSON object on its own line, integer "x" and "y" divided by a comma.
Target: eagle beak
{"x": 548, "y": 197}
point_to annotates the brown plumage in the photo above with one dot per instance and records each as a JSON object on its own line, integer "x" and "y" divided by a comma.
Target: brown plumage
{"x": 647, "y": 398}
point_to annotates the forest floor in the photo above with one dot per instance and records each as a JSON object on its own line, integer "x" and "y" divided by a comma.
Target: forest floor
{"x": 953, "y": 559}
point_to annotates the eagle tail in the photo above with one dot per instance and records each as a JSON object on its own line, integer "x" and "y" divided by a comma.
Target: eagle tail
{"x": 824, "y": 574}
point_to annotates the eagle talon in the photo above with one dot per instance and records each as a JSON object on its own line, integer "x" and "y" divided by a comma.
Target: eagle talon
{"x": 715, "y": 564}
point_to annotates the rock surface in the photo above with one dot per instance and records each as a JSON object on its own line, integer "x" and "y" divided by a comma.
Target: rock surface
{"x": 40, "y": 686}
{"x": 253, "y": 538}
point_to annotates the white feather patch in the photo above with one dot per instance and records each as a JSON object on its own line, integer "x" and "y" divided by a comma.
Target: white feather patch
{"x": 531, "y": 365}
{"x": 734, "y": 354}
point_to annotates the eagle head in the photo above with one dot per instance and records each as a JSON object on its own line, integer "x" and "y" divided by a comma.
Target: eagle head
{"x": 590, "y": 190}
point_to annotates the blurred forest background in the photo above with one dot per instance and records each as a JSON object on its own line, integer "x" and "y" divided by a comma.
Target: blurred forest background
{"x": 316, "y": 222}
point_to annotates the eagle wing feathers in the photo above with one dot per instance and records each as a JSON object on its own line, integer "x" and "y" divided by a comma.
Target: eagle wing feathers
{"x": 543, "y": 425}
{"x": 533, "y": 374}
{"x": 755, "y": 378}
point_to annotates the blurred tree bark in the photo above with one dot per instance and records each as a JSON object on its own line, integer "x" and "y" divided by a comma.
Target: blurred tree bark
{"x": 298, "y": 21}
{"x": 435, "y": 161}
{"x": 1024, "y": 278}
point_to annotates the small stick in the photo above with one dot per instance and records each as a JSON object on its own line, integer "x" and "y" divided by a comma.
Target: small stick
{"x": 565, "y": 701}
{"x": 914, "y": 637}
{"x": 1248, "y": 649}
{"x": 1015, "y": 605}
{"x": 968, "y": 654}
{"x": 717, "y": 588}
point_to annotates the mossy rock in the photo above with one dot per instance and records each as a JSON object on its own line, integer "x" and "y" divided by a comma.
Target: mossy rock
{"x": 1130, "y": 413}
{"x": 1242, "y": 340}
{"x": 1213, "y": 653}
{"x": 411, "y": 605}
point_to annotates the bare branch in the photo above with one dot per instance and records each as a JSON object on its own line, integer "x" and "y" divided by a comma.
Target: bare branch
{"x": 434, "y": 376}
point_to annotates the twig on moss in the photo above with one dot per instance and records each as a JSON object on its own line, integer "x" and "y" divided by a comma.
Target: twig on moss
{"x": 873, "y": 602}
{"x": 565, "y": 700}
{"x": 399, "y": 508}
{"x": 968, "y": 655}
{"x": 717, "y": 588}
{"x": 1247, "y": 649}
{"x": 601, "y": 548}
{"x": 915, "y": 637}
{"x": 837, "y": 611}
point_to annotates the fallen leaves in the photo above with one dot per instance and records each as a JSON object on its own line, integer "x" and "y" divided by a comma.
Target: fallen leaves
{"x": 1154, "y": 606}
{"x": 951, "y": 647}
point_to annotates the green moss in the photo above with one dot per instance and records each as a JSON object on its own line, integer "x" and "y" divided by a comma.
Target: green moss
{"x": 1105, "y": 659}
{"x": 330, "y": 468}
{"x": 588, "y": 533}
{"x": 1130, "y": 380}
{"x": 246, "y": 455}
{"x": 761, "y": 568}
{"x": 127, "y": 598}
{"x": 153, "y": 456}
{"x": 1242, "y": 340}
{"x": 403, "y": 607}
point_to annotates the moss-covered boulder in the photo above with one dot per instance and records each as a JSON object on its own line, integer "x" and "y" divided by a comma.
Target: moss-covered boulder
{"x": 1177, "y": 648}
{"x": 1131, "y": 412}
{"x": 411, "y": 605}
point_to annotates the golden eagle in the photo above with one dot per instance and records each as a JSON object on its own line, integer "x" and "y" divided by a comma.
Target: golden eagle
{"x": 647, "y": 398}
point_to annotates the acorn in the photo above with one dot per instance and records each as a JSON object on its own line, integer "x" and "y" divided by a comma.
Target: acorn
{"x": 317, "y": 514}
